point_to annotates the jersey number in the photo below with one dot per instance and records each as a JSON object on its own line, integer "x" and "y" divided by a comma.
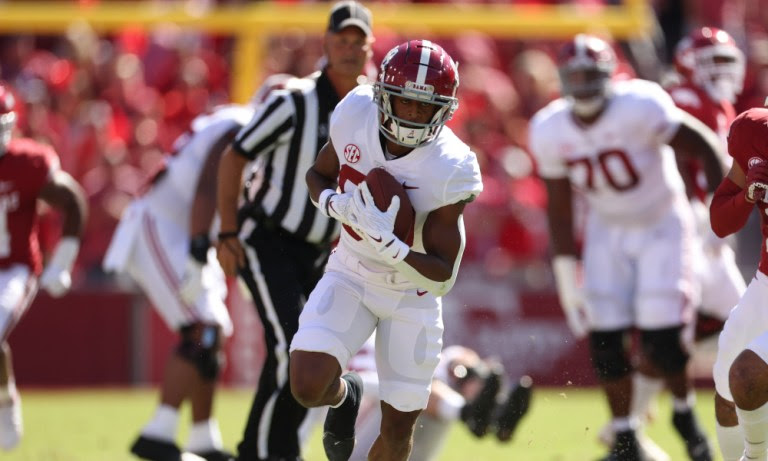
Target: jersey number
{"x": 615, "y": 166}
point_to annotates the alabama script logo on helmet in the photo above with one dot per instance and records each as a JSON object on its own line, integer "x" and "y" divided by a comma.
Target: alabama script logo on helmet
{"x": 352, "y": 153}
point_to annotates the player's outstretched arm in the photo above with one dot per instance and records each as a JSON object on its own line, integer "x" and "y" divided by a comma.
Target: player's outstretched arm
{"x": 65, "y": 194}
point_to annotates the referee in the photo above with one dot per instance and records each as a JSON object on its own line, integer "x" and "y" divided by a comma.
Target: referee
{"x": 277, "y": 241}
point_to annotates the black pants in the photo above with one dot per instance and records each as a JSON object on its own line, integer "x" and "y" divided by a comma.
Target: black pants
{"x": 284, "y": 272}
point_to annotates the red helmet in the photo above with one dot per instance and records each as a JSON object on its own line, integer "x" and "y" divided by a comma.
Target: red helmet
{"x": 586, "y": 65}
{"x": 423, "y": 71}
{"x": 7, "y": 116}
{"x": 710, "y": 59}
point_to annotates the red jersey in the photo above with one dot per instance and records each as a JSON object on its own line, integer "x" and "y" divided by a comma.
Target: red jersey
{"x": 25, "y": 168}
{"x": 717, "y": 116}
{"x": 748, "y": 144}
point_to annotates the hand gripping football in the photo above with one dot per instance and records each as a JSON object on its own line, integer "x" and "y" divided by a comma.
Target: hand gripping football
{"x": 383, "y": 187}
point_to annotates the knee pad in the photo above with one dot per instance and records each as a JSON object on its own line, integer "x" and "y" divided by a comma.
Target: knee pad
{"x": 200, "y": 345}
{"x": 609, "y": 356}
{"x": 664, "y": 348}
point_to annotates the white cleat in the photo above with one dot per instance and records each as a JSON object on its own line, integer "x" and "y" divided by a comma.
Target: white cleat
{"x": 189, "y": 456}
{"x": 11, "y": 427}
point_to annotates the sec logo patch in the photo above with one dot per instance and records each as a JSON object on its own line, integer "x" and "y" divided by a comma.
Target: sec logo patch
{"x": 753, "y": 161}
{"x": 352, "y": 153}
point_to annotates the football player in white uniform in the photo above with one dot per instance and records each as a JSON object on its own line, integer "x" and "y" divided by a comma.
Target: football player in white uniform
{"x": 613, "y": 142}
{"x": 162, "y": 242}
{"x": 374, "y": 280}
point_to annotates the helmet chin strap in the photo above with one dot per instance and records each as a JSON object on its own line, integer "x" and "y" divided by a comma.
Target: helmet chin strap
{"x": 722, "y": 88}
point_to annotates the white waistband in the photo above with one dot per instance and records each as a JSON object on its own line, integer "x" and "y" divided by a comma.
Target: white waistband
{"x": 392, "y": 279}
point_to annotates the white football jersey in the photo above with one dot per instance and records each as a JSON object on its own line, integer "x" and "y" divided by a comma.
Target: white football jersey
{"x": 621, "y": 162}
{"x": 173, "y": 194}
{"x": 441, "y": 173}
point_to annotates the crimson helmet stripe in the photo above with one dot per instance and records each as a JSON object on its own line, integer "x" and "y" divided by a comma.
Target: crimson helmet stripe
{"x": 426, "y": 53}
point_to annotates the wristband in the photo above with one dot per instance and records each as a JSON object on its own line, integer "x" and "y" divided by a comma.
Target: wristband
{"x": 228, "y": 235}
{"x": 198, "y": 247}
{"x": 324, "y": 200}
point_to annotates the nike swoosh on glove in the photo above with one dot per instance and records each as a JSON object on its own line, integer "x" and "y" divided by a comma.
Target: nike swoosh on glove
{"x": 376, "y": 226}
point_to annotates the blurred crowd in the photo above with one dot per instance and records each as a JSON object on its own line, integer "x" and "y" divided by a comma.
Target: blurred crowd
{"x": 112, "y": 106}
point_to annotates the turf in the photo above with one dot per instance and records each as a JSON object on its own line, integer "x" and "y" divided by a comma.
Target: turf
{"x": 91, "y": 425}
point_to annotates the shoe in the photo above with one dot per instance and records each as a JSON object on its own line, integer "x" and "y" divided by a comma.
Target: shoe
{"x": 649, "y": 450}
{"x": 625, "y": 448}
{"x": 155, "y": 450}
{"x": 11, "y": 426}
{"x": 696, "y": 443}
{"x": 216, "y": 455}
{"x": 478, "y": 413}
{"x": 339, "y": 427}
{"x": 509, "y": 414}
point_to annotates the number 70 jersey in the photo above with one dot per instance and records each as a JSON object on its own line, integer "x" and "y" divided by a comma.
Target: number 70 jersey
{"x": 621, "y": 162}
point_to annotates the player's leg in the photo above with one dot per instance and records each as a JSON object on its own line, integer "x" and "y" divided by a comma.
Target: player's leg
{"x": 408, "y": 345}
{"x": 396, "y": 436}
{"x": 280, "y": 274}
{"x": 746, "y": 322}
{"x": 609, "y": 281}
{"x": 334, "y": 322}
{"x": 667, "y": 292}
{"x": 17, "y": 290}
{"x": 157, "y": 265}
{"x": 748, "y": 376}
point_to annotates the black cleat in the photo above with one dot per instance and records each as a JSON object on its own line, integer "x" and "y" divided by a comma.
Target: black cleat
{"x": 510, "y": 413}
{"x": 695, "y": 441}
{"x": 155, "y": 450}
{"x": 216, "y": 455}
{"x": 339, "y": 427}
{"x": 625, "y": 448}
{"x": 477, "y": 414}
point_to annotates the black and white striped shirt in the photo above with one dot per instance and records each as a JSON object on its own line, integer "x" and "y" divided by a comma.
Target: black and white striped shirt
{"x": 285, "y": 135}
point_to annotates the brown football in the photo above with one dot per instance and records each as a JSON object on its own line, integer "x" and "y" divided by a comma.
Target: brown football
{"x": 383, "y": 187}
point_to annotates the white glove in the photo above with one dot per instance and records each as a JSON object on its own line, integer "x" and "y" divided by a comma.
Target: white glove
{"x": 567, "y": 271}
{"x": 376, "y": 226}
{"x": 337, "y": 206}
{"x": 192, "y": 281}
{"x": 56, "y": 279}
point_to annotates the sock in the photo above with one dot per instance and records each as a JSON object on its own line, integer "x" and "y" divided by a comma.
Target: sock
{"x": 644, "y": 389}
{"x": 754, "y": 424}
{"x": 163, "y": 424}
{"x": 449, "y": 407}
{"x": 623, "y": 424}
{"x": 344, "y": 396}
{"x": 731, "y": 442}
{"x": 685, "y": 404}
{"x": 8, "y": 392}
{"x": 204, "y": 436}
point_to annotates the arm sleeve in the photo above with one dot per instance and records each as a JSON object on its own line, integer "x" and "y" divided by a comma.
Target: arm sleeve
{"x": 548, "y": 164}
{"x": 729, "y": 210}
{"x": 272, "y": 120}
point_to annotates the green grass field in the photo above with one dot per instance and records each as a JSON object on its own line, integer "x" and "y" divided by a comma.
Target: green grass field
{"x": 98, "y": 425}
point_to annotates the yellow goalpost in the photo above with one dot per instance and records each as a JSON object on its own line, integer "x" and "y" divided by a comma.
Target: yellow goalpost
{"x": 251, "y": 24}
